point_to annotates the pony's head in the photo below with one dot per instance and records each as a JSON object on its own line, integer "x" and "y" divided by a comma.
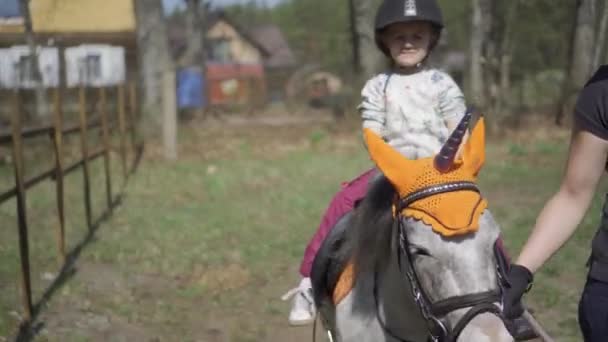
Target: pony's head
{"x": 445, "y": 234}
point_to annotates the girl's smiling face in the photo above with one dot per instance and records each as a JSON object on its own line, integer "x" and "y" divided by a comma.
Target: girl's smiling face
{"x": 408, "y": 43}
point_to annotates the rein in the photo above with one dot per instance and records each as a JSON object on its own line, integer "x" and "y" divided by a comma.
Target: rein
{"x": 434, "y": 312}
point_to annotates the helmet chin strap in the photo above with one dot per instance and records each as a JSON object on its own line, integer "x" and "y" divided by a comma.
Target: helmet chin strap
{"x": 413, "y": 68}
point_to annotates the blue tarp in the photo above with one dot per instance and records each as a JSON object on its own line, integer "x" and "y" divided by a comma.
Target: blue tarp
{"x": 190, "y": 89}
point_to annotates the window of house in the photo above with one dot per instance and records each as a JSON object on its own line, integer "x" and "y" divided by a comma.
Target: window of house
{"x": 90, "y": 67}
{"x": 25, "y": 72}
{"x": 219, "y": 50}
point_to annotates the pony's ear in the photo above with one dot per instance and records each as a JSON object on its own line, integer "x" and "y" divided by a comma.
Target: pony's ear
{"x": 474, "y": 154}
{"x": 392, "y": 163}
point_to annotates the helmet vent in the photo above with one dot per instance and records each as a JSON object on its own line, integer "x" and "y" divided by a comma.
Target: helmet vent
{"x": 410, "y": 8}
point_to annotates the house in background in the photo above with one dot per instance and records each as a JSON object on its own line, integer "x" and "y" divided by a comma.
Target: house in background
{"x": 98, "y": 37}
{"x": 16, "y": 69}
{"x": 235, "y": 64}
{"x": 235, "y": 72}
{"x": 243, "y": 66}
{"x": 95, "y": 65}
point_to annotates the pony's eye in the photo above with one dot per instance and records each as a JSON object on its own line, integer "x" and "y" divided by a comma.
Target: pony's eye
{"x": 416, "y": 250}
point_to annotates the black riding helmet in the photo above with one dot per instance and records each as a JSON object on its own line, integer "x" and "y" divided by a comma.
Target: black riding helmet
{"x": 402, "y": 11}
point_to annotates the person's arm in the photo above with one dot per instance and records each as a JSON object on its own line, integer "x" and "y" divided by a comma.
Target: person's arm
{"x": 565, "y": 210}
{"x": 373, "y": 104}
{"x": 560, "y": 217}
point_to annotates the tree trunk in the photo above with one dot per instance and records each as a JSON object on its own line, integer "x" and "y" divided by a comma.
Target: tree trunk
{"x": 506, "y": 53}
{"x": 580, "y": 59}
{"x": 491, "y": 56}
{"x": 600, "y": 47}
{"x": 476, "y": 75}
{"x": 354, "y": 37}
{"x": 153, "y": 59}
{"x": 194, "y": 35}
{"x": 39, "y": 91}
{"x": 368, "y": 55}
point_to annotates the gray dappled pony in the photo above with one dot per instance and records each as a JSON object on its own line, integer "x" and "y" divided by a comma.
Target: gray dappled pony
{"x": 381, "y": 305}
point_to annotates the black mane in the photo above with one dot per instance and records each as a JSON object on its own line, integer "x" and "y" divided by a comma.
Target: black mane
{"x": 370, "y": 235}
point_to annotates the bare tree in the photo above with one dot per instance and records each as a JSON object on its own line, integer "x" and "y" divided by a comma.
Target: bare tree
{"x": 354, "y": 37}
{"x": 195, "y": 34}
{"x": 34, "y": 66}
{"x": 362, "y": 29}
{"x": 504, "y": 60}
{"x": 153, "y": 58}
{"x": 600, "y": 47}
{"x": 491, "y": 51}
{"x": 476, "y": 55}
{"x": 581, "y": 54}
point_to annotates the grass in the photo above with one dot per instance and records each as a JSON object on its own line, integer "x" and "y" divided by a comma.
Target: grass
{"x": 201, "y": 249}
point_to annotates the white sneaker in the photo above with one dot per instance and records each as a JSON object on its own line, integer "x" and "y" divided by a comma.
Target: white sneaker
{"x": 303, "y": 310}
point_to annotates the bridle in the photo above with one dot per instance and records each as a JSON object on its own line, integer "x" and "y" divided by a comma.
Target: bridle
{"x": 434, "y": 312}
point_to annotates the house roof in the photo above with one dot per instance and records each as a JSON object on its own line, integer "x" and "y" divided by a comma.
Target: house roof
{"x": 272, "y": 39}
{"x": 221, "y": 16}
{"x": 177, "y": 33}
{"x": 69, "y": 16}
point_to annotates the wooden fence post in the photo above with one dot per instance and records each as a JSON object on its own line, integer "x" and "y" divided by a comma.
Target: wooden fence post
{"x": 121, "y": 128}
{"x": 85, "y": 153}
{"x": 26, "y": 286}
{"x": 133, "y": 124}
{"x": 58, "y": 144}
{"x": 169, "y": 115}
{"x": 132, "y": 113}
{"x": 106, "y": 144}
{"x": 133, "y": 101}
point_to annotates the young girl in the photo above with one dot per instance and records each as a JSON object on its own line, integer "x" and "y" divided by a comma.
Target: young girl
{"x": 412, "y": 106}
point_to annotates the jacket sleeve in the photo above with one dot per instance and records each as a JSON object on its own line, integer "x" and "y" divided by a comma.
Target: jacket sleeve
{"x": 591, "y": 110}
{"x": 373, "y": 104}
{"x": 451, "y": 99}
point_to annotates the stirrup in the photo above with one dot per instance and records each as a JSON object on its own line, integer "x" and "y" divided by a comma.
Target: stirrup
{"x": 330, "y": 336}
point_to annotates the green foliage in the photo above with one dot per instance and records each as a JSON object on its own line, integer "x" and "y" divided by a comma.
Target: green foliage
{"x": 250, "y": 13}
{"x": 318, "y": 30}
{"x": 541, "y": 36}
{"x": 456, "y": 14}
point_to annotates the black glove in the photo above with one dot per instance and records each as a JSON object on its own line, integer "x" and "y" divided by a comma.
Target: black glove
{"x": 519, "y": 281}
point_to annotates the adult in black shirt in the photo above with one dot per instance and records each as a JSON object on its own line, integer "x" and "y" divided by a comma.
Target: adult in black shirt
{"x": 565, "y": 210}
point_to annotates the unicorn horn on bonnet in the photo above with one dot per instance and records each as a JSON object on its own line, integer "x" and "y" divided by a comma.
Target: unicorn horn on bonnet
{"x": 444, "y": 160}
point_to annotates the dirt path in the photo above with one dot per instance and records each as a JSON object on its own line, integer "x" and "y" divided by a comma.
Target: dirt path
{"x": 86, "y": 309}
